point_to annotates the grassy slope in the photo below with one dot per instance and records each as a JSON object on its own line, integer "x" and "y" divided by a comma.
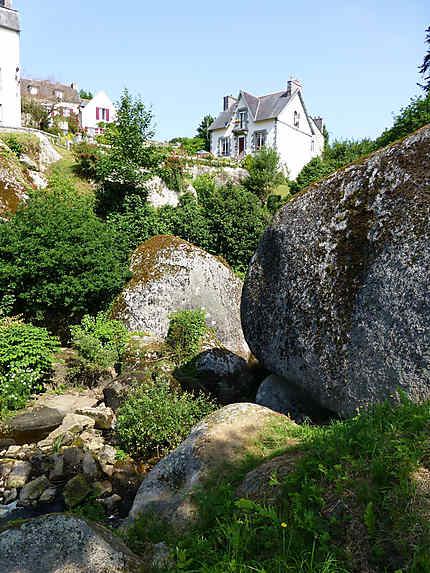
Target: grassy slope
{"x": 66, "y": 166}
{"x": 357, "y": 501}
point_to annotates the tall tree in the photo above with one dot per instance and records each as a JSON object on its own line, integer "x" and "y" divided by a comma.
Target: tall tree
{"x": 203, "y": 131}
{"x": 424, "y": 69}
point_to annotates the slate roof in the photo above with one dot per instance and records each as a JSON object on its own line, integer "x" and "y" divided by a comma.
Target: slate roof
{"x": 261, "y": 108}
{"x": 47, "y": 91}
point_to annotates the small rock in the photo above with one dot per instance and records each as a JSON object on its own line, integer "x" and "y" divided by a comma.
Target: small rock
{"x": 89, "y": 466}
{"x": 107, "y": 454}
{"x": 19, "y": 475}
{"x": 34, "y": 489}
{"x": 10, "y": 495}
{"x": 6, "y": 467}
{"x": 103, "y": 416}
{"x": 161, "y": 557}
{"x": 107, "y": 469}
{"x": 76, "y": 490}
{"x": 102, "y": 488}
{"x": 57, "y": 471}
{"x": 111, "y": 502}
{"x": 73, "y": 424}
{"x": 73, "y": 457}
{"x": 41, "y": 419}
{"x": 13, "y": 452}
{"x": 48, "y": 495}
{"x": 7, "y": 509}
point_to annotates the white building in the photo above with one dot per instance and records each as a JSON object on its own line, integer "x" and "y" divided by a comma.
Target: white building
{"x": 278, "y": 121}
{"x": 10, "y": 100}
{"x": 96, "y": 112}
{"x": 61, "y": 100}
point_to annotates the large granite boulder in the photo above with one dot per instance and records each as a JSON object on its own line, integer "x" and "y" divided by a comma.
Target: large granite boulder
{"x": 63, "y": 544}
{"x": 336, "y": 298}
{"x": 221, "y": 440}
{"x": 15, "y": 184}
{"x": 170, "y": 274}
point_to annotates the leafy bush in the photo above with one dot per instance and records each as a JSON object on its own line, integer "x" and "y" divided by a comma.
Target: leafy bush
{"x": 264, "y": 173}
{"x": 26, "y": 356}
{"x": 100, "y": 340}
{"x": 59, "y": 260}
{"x": 186, "y": 329}
{"x": 155, "y": 419}
{"x": 16, "y": 146}
{"x": 86, "y": 156}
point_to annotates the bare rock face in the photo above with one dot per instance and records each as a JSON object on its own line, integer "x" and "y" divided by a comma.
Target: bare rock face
{"x": 336, "y": 298}
{"x": 170, "y": 274}
{"x": 14, "y": 182}
{"x": 222, "y": 438}
{"x": 64, "y": 544}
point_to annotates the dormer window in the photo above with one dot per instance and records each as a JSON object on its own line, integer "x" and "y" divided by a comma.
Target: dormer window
{"x": 33, "y": 90}
{"x": 58, "y": 94}
{"x": 243, "y": 119}
{"x": 296, "y": 119}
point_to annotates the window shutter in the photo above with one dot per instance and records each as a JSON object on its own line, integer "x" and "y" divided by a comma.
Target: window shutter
{"x": 97, "y": 113}
{"x": 107, "y": 114}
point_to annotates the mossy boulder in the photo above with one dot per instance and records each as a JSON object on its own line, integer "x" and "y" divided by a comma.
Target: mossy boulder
{"x": 216, "y": 445}
{"x": 336, "y": 298}
{"x": 76, "y": 490}
{"x": 170, "y": 275}
{"x": 64, "y": 544}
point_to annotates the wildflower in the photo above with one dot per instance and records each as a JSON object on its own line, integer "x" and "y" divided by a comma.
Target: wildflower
{"x": 283, "y": 524}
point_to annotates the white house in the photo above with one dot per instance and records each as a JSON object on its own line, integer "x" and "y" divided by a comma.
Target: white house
{"x": 61, "y": 99}
{"x": 10, "y": 100}
{"x": 99, "y": 110}
{"x": 279, "y": 121}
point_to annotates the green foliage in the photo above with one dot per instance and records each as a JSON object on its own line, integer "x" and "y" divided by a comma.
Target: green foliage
{"x": 100, "y": 340}
{"x": 91, "y": 509}
{"x": 85, "y": 94}
{"x": 16, "y": 146}
{"x": 186, "y": 330}
{"x": 335, "y": 155}
{"x": 424, "y": 69}
{"x": 264, "y": 173}
{"x": 227, "y": 221}
{"x": 203, "y": 131}
{"x": 190, "y": 145}
{"x": 26, "y": 356}
{"x": 58, "y": 259}
{"x": 155, "y": 419}
{"x": 86, "y": 156}
{"x": 171, "y": 172}
{"x": 123, "y": 166}
{"x": 409, "y": 119}
{"x": 36, "y": 115}
{"x": 348, "y": 504}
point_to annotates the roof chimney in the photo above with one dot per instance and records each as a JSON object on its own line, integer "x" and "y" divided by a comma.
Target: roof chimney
{"x": 293, "y": 85}
{"x": 228, "y": 102}
{"x": 6, "y": 3}
{"x": 74, "y": 86}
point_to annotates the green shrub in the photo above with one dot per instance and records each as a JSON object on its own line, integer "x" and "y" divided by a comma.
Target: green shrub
{"x": 186, "y": 329}
{"x": 16, "y": 146}
{"x": 155, "y": 419}
{"x": 100, "y": 340}
{"x": 26, "y": 356}
{"x": 86, "y": 156}
{"x": 264, "y": 173}
{"x": 59, "y": 260}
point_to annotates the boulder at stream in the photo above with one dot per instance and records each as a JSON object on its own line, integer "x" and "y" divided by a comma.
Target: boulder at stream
{"x": 336, "y": 299}
{"x": 170, "y": 274}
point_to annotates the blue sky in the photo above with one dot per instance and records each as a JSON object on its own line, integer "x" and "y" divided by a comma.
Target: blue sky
{"x": 357, "y": 60}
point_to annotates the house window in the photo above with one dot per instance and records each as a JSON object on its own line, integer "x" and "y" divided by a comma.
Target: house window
{"x": 225, "y": 145}
{"x": 58, "y": 94}
{"x": 33, "y": 90}
{"x": 260, "y": 139}
{"x": 243, "y": 119}
{"x": 296, "y": 119}
{"x": 102, "y": 114}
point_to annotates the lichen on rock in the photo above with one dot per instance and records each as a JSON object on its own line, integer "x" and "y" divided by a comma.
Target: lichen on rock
{"x": 171, "y": 274}
{"x": 336, "y": 296}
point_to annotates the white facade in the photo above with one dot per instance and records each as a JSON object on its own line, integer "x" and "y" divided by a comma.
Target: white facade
{"x": 97, "y": 111}
{"x": 277, "y": 121}
{"x": 10, "y": 97}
